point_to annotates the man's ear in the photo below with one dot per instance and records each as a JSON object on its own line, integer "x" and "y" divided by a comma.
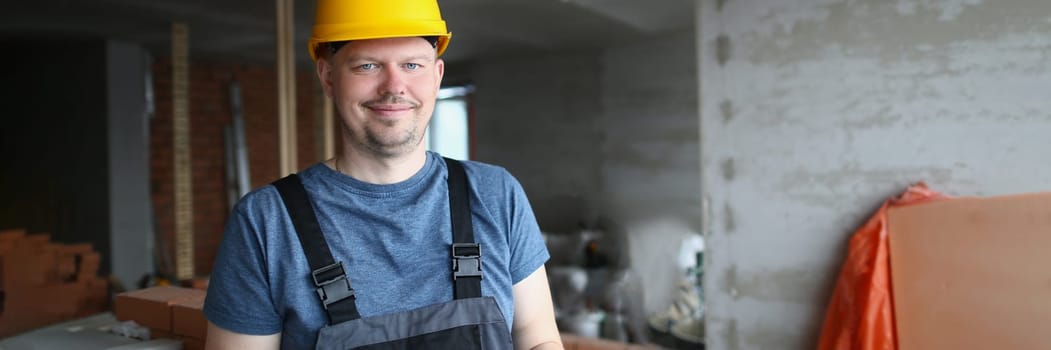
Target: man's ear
{"x": 439, "y": 66}
{"x": 324, "y": 75}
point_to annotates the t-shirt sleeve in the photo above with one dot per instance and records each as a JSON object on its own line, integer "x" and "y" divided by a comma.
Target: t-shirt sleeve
{"x": 528, "y": 251}
{"x": 238, "y": 297}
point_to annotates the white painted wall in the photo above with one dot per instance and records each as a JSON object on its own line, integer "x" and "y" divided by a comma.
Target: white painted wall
{"x": 818, "y": 110}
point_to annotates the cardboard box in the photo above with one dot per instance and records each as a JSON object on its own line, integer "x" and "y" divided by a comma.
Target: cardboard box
{"x": 188, "y": 318}
{"x": 972, "y": 273}
{"x": 151, "y": 307}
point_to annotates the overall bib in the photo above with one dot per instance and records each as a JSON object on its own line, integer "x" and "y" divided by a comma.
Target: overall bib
{"x": 469, "y": 321}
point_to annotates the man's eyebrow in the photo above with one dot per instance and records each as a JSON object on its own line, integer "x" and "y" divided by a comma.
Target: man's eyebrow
{"x": 374, "y": 59}
{"x": 419, "y": 57}
{"x": 360, "y": 58}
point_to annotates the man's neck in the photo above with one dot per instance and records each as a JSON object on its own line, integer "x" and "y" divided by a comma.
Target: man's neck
{"x": 378, "y": 170}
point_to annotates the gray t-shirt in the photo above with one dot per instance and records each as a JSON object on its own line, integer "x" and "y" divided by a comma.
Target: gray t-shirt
{"x": 394, "y": 240}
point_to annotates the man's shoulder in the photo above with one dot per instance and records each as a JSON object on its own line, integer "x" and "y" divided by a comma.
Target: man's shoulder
{"x": 480, "y": 169}
{"x": 489, "y": 177}
{"x": 258, "y": 201}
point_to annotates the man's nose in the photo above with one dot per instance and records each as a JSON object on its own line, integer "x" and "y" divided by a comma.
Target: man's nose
{"x": 393, "y": 82}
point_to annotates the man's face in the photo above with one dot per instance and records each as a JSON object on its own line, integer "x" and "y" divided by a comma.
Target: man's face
{"x": 384, "y": 91}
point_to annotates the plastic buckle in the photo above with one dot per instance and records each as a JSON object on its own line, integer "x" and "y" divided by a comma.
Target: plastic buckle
{"x": 467, "y": 263}
{"x": 331, "y": 291}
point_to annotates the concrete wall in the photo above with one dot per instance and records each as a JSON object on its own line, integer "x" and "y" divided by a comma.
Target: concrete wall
{"x": 537, "y": 117}
{"x": 610, "y": 133}
{"x": 130, "y": 213}
{"x": 649, "y": 130}
{"x": 813, "y": 112}
{"x": 650, "y": 156}
{"x": 603, "y": 138}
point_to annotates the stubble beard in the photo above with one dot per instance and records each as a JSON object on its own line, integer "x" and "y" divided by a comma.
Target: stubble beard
{"x": 386, "y": 143}
{"x": 390, "y": 146}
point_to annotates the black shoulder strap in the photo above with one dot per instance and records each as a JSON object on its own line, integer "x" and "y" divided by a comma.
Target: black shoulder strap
{"x": 333, "y": 286}
{"x": 467, "y": 255}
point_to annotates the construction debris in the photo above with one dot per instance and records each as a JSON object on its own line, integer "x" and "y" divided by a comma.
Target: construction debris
{"x": 169, "y": 312}
{"x": 43, "y": 283}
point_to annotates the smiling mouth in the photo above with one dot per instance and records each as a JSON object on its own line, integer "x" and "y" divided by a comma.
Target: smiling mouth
{"x": 389, "y": 108}
{"x": 390, "y": 112}
{"x": 390, "y": 103}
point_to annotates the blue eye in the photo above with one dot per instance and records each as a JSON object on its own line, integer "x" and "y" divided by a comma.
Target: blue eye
{"x": 367, "y": 66}
{"x": 412, "y": 66}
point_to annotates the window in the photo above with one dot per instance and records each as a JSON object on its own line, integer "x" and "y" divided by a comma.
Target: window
{"x": 448, "y": 133}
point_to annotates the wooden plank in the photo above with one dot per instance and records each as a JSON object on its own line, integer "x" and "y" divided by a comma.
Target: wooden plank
{"x": 183, "y": 186}
{"x": 279, "y": 38}
{"x": 286, "y": 88}
{"x": 324, "y": 145}
{"x": 330, "y": 129}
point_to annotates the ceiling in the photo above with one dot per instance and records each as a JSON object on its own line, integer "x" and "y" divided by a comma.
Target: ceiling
{"x": 244, "y": 29}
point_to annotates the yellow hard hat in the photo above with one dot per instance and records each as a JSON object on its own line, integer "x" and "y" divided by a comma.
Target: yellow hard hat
{"x": 342, "y": 20}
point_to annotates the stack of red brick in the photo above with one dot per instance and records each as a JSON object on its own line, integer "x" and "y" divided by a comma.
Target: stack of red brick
{"x": 43, "y": 283}
{"x": 169, "y": 312}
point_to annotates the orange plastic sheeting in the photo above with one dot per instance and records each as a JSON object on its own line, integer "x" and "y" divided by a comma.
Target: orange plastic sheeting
{"x": 860, "y": 315}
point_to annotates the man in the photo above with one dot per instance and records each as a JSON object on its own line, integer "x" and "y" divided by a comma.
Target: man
{"x": 358, "y": 251}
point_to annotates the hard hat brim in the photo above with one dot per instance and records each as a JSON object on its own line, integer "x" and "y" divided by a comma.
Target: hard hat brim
{"x": 347, "y": 32}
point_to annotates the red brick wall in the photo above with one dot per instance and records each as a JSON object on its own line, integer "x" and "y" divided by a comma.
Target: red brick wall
{"x": 209, "y": 113}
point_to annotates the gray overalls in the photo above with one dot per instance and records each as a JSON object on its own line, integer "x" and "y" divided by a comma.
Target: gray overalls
{"x": 470, "y": 321}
